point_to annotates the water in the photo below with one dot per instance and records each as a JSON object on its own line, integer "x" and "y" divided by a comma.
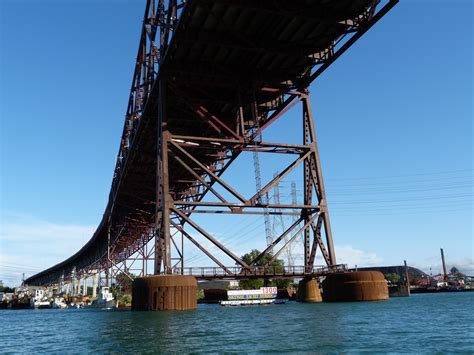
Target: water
{"x": 421, "y": 323}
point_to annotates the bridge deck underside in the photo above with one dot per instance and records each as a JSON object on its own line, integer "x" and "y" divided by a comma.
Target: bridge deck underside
{"x": 223, "y": 55}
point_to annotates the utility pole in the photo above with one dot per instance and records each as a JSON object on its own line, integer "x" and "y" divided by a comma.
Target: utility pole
{"x": 407, "y": 278}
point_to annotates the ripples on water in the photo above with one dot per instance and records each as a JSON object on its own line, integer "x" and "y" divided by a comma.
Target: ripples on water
{"x": 421, "y": 323}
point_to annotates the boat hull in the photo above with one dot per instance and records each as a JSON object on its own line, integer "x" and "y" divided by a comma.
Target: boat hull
{"x": 103, "y": 305}
{"x": 251, "y": 302}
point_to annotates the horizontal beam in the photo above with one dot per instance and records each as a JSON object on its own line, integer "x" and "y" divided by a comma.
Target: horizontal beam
{"x": 249, "y": 144}
{"x": 241, "y": 205}
{"x": 238, "y": 211}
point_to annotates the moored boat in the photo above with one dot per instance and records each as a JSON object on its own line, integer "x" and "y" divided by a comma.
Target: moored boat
{"x": 39, "y": 300}
{"x": 264, "y": 295}
{"x": 105, "y": 300}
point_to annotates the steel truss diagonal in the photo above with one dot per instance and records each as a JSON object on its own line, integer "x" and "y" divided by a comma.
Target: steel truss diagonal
{"x": 185, "y": 150}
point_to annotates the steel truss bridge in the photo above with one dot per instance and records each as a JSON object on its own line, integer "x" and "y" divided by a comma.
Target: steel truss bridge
{"x": 210, "y": 77}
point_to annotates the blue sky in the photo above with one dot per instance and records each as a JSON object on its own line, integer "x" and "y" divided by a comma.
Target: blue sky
{"x": 393, "y": 115}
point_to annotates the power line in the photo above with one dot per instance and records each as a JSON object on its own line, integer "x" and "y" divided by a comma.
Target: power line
{"x": 435, "y": 197}
{"x": 402, "y": 175}
{"x": 398, "y": 212}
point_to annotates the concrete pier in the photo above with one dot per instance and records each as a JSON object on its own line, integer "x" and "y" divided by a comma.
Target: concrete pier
{"x": 308, "y": 291}
{"x": 77, "y": 292}
{"x": 164, "y": 292}
{"x": 355, "y": 286}
{"x": 94, "y": 285}
{"x": 84, "y": 286}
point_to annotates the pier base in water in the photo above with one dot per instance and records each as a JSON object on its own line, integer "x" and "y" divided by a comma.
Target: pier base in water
{"x": 308, "y": 291}
{"x": 355, "y": 286}
{"x": 164, "y": 292}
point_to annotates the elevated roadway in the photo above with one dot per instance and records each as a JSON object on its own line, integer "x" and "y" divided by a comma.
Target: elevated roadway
{"x": 211, "y": 75}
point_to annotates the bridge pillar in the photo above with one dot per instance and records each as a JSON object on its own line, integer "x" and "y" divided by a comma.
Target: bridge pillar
{"x": 94, "y": 285}
{"x": 77, "y": 291}
{"x": 164, "y": 292}
{"x": 355, "y": 286}
{"x": 84, "y": 286}
{"x": 308, "y": 291}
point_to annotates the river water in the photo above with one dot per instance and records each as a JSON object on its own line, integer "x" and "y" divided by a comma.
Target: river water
{"x": 421, "y": 323}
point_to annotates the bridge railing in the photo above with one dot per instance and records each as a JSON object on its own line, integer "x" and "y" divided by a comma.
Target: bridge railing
{"x": 258, "y": 271}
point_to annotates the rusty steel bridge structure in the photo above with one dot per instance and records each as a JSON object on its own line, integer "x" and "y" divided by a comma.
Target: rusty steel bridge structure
{"x": 210, "y": 77}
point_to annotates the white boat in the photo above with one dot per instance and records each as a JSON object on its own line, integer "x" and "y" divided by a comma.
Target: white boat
{"x": 39, "y": 300}
{"x": 105, "y": 300}
{"x": 59, "y": 302}
{"x": 252, "y": 302}
{"x": 42, "y": 304}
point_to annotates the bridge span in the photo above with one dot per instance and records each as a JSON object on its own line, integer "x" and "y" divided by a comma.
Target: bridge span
{"x": 210, "y": 77}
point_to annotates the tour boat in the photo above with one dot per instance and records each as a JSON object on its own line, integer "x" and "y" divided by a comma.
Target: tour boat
{"x": 264, "y": 295}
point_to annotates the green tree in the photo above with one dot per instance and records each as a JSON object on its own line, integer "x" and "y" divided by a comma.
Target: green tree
{"x": 277, "y": 265}
{"x": 4, "y": 288}
{"x": 251, "y": 284}
{"x": 392, "y": 277}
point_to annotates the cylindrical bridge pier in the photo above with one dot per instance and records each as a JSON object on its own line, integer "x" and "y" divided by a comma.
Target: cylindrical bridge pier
{"x": 164, "y": 292}
{"x": 355, "y": 286}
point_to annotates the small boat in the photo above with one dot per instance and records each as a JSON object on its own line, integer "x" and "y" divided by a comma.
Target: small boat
{"x": 105, "y": 300}
{"x": 59, "y": 302}
{"x": 264, "y": 295}
{"x": 40, "y": 300}
{"x": 252, "y": 302}
{"x": 42, "y": 304}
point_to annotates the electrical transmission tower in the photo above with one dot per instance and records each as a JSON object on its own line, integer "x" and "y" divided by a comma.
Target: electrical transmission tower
{"x": 263, "y": 199}
{"x": 279, "y": 225}
{"x": 294, "y": 202}
{"x": 294, "y": 198}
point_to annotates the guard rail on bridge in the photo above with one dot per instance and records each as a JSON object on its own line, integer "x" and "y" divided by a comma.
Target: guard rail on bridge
{"x": 237, "y": 272}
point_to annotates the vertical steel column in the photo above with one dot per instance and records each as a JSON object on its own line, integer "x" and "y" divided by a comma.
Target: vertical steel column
{"x": 145, "y": 267}
{"x": 142, "y": 252}
{"x": 307, "y": 186}
{"x": 182, "y": 251}
{"x": 166, "y": 203}
{"x": 163, "y": 200}
{"x": 108, "y": 276}
{"x": 312, "y": 169}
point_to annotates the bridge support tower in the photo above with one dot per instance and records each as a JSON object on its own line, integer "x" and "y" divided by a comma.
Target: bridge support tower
{"x": 355, "y": 286}
{"x": 308, "y": 291}
{"x": 164, "y": 292}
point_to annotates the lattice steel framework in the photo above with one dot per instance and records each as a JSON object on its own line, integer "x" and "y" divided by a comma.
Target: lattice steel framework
{"x": 210, "y": 77}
